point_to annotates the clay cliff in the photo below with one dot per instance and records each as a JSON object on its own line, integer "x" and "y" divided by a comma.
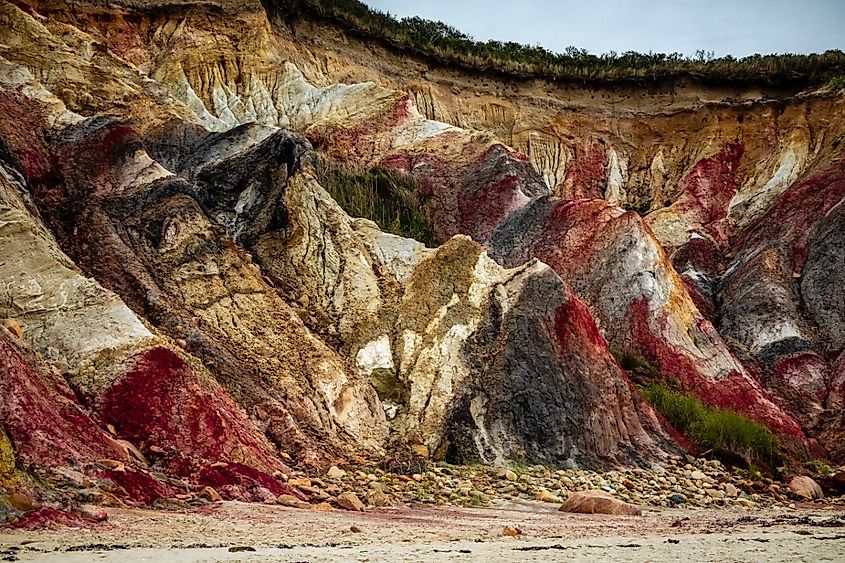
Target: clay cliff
{"x": 188, "y": 306}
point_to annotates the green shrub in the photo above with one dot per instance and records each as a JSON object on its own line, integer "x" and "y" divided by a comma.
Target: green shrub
{"x": 391, "y": 199}
{"x": 737, "y": 433}
{"x": 837, "y": 81}
{"x": 641, "y": 371}
{"x": 710, "y": 427}
{"x": 448, "y": 45}
{"x": 820, "y": 467}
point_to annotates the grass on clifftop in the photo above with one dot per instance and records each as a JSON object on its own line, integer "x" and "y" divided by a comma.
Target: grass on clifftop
{"x": 709, "y": 427}
{"x": 391, "y": 199}
{"x": 446, "y": 44}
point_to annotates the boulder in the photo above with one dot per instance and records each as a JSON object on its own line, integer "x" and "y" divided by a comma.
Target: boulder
{"x": 210, "y": 494}
{"x": 598, "y": 502}
{"x": 806, "y": 488}
{"x": 350, "y": 501}
{"x": 292, "y": 501}
{"x": 92, "y": 513}
{"x": 378, "y": 498}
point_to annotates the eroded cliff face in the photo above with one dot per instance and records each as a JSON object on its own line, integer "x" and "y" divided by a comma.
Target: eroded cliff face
{"x": 197, "y": 310}
{"x": 704, "y": 166}
{"x": 480, "y": 187}
{"x": 189, "y": 307}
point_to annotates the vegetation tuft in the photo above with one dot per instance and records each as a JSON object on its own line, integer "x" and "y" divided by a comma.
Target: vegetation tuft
{"x": 446, "y": 44}
{"x": 389, "y": 198}
{"x": 640, "y": 370}
{"x": 711, "y": 428}
{"x": 820, "y": 467}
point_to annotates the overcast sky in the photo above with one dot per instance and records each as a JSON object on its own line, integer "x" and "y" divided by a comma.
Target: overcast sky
{"x": 736, "y": 27}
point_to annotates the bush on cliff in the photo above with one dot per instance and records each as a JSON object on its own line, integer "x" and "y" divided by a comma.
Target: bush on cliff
{"x": 711, "y": 428}
{"x": 641, "y": 371}
{"x": 450, "y": 46}
{"x": 389, "y": 198}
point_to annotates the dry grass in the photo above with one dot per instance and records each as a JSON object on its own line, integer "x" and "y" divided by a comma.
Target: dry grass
{"x": 391, "y": 199}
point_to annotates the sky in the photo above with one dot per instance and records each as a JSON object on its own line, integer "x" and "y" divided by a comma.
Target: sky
{"x": 734, "y": 27}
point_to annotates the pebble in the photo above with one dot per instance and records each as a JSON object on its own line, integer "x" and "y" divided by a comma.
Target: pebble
{"x": 335, "y": 472}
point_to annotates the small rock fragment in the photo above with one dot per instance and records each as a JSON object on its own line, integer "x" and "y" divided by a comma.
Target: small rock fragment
{"x": 132, "y": 451}
{"x": 12, "y": 326}
{"x": 61, "y": 366}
